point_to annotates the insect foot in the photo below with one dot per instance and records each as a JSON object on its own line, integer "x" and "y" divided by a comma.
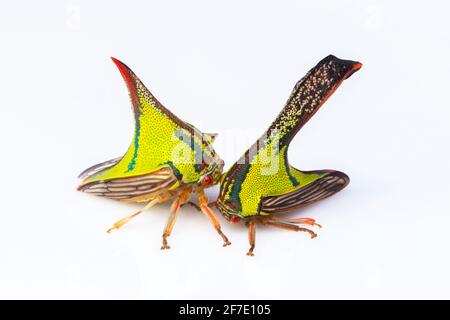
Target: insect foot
{"x": 165, "y": 245}
{"x": 226, "y": 242}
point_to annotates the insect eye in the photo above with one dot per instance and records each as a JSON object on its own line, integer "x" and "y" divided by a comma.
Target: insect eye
{"x": 235, "y": 219}
{"x": 207, "y": 180}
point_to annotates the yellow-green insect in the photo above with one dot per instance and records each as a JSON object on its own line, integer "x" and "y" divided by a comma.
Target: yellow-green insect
{"x": 167, "y": 158}
{"x": 262, "y": 183}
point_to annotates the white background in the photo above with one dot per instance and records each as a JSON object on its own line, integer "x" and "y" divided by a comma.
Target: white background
{"x": 226, "y": 67}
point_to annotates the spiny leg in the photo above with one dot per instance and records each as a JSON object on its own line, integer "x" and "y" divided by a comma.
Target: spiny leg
{"x": 290, "y": 226}
{"x": 181, "y": 199}
{"x": 121, "y": 222}
{"x": 203, "y": 201}
{"x": 251, "y": 237}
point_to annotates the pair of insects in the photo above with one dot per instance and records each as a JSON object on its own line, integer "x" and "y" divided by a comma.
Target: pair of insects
{"x": 171, "y": 159}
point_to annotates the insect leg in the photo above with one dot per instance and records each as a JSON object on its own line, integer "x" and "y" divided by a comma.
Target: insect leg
{"x": 289, "y": 226}
{"x": 251, "y": 237}
{"x": 181, "y": 199}
{"x": 192, "y": 204}
{"x": 308, "y": 221}
{"x": 203, "y": 201}
{"x": 151, "y": 203}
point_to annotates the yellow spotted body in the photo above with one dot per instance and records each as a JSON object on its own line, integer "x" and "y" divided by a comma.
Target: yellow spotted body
{"x": 151, "y": 149}
{"x": 165, "y": 154}
{"x": 167, "y": 158}
{"x": 262, "y": 181}
{"x": 277, "y": 183}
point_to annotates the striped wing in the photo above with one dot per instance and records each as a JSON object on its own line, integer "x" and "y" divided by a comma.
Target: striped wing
{"x": 132, "y": 188}
{"x": 320, "y": 189}
{"x": 99, "y": 168}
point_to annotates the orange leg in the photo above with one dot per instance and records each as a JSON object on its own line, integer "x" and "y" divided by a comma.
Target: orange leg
{"x": 203, "y": 201}
{"x": 308, "y": 221}
{"x": 181, "y": 199}
{"x": 289, "y": 226}
{"x": 151, "y": 203}
{"x": 251, "y": 237}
